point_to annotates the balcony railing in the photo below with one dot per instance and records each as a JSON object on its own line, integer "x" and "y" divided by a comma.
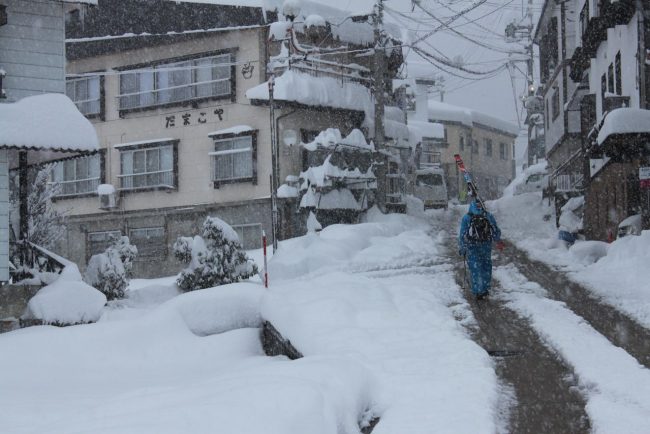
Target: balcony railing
{"x": 429, "y": 159}
{"x": 568, "y": 182}
{"x": 161, "y": 178}
{"x": 321, "y": 68}
{"x": 89, "y": 106}
{"x": 29, "y": 258}
{"x": 78, "y": 186}
{"x": 172, "y": 94}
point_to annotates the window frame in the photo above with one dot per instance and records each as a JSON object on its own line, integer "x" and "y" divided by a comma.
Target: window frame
{"x": 101, "y": 179}
{"x": 216, "y": 138}
{"x": 148, "y": 252}
{"x": 503, "y": 151}
{"x": 241, "y": 236}
{"x": 89, "y": 252}
{"x": 488, "y": 147}
{"x": 100, "y": 99}
{"x": 147, "y": 147}
{"x": 555, "y": 103}
{"x": 155, "y": 68}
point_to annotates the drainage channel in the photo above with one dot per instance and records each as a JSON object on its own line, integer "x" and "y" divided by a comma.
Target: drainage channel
{"x": 621, "y": 330}
{"x": 547, "y": 397}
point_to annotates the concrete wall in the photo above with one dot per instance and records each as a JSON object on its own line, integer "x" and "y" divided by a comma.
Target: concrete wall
{"x": 32, "y": 49}
{"x": 176, "y": 222}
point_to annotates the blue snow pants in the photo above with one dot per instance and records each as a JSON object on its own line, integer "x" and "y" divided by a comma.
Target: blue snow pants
{"x": 479, "y": 261}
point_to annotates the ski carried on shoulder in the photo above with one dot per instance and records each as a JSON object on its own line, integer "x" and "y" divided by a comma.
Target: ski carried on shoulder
{"x": 471, "y": 185}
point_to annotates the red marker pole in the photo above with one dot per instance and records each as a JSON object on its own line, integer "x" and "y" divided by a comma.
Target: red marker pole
{"x": 266, "y": 276}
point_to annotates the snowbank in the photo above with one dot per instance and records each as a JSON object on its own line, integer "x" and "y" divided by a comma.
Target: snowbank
{"x": 68, "y": 300}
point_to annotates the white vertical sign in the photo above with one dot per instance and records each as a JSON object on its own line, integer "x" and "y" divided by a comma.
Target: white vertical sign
{"x": 4, "y": 216}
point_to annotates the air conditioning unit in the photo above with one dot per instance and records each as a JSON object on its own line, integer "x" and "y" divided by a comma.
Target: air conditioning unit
{"x": 107, "y": 196}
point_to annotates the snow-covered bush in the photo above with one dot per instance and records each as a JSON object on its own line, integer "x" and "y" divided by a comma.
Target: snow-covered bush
{"x": 110, "y": 271}
{"x": 66, "y": 301}
{"x": 214, "y": 258}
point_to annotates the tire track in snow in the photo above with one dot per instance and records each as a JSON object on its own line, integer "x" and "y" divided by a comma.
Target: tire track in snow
{"x": 546, "y": 398}
{"x": 615, "y": 384}
{"x": 620, "y": 329}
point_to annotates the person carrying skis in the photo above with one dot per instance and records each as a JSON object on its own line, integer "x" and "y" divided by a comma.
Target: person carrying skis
{"x": 478, "y": 229}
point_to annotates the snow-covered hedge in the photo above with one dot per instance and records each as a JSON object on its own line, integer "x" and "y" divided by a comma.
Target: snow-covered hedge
{"x": 215, "y": 257}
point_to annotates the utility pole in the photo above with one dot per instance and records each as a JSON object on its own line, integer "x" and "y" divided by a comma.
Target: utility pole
{"x": 378, "y": 90}
{"x": 275, "y": 172}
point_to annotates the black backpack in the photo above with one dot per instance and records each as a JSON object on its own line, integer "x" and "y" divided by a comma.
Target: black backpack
{"x": 480, "y": 229}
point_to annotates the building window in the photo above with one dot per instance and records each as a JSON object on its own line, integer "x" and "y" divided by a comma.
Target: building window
{"x": 151, "y": 242}
{"x": 151, "y": 167}
{"x": 603, "y": 89}
{"x": 488, "y": 147}
{"x": 76, "y": 176}
{"x": 475, "y": 147}
{"x": 234, "y": 158}
{"x": 584, "y": 18}
{"x": 617, "y": 67}
{"x": 461, "y": 143}
{"x": 546, "y": 115}
{"x": 555, "y": 103}
{"x": 250, "y": 235}
{"x": 206, "y": 77}
{"x": 98, "y": 242}
{"x": 503, "y": 151}
{"x": 610, "y": 78}
{"x": 85, "y": 93}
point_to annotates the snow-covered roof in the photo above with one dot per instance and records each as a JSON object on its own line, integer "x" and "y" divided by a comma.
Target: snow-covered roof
{"x": 342, "y": 27}
{"x": 624, "y": 121}
{"x": 315, "y": 91}
{"x": 237, "y": 129}
{"x": 46, "y": 122}
{"x": 332, "y": 137}
{"x": 443, "y": 112}
{"x": 322, "y": 176}
{"x": 420, "y": 129}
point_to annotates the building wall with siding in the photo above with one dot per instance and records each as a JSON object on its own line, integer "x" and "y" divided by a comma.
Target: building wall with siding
{"x": 32, "y": 48}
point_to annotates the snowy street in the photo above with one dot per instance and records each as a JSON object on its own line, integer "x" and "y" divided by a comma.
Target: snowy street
{"x": 390, "y": 340}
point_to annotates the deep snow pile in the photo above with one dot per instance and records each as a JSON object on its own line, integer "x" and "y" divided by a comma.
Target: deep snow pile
{"x": 67, "y": 300}
{"x": 378, "y": 331}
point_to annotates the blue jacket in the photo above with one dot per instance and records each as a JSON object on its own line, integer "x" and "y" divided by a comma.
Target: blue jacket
{"x": 463, "y": 243}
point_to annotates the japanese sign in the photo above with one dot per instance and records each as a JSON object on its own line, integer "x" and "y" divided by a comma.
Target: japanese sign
{"x": 184, "y": 119}
{"x": 644, "y": 176}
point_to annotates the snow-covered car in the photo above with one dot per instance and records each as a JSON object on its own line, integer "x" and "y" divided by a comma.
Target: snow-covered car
{"x": 537, "y": 181}
{"x": 431, "y": 188}
{"x": 630, "y": 226}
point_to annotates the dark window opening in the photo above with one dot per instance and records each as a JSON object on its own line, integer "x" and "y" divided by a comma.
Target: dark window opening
{"x": 617, "y": 67}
